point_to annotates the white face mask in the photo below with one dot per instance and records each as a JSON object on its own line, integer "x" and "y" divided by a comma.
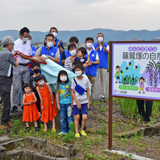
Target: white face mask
{"x": 78, "y": 73}
{"x": 30, "y": 42}
{"x": 25, "y": 39}
{"x": 49, "y": 44}
{"x": 100, "y": 39}
{"x": 41, "y": 83}
{"x": 55, "y": 34}
{"x": 64, "y": 78}
{"x": 73, "y": 52}
{"x": 89, "y": 45}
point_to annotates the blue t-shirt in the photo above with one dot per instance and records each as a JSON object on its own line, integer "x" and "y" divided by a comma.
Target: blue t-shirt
{"x": 82, "y": 60}
{"x": 64, "y": 93}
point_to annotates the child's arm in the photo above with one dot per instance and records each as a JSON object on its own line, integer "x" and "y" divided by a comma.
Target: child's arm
{"x": 88, "y": 96}
{"x": 23, "y": 101}
{"x": 71, "y": 101}
{"x": 74, "y": 97}
{"x": 51, "y": 95}
{"x": 35, "y": 98}
{"x": 40, "y": 97}
{"x": 57, "y": 98}
{"x": 87, "y": 61}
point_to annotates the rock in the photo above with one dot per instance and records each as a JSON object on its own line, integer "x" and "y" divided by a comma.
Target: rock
{"x": 2, "y": 149}
{"x": 36, "y": 142}
{"x": 4, "y": 139}
{"x": 58, "y": 150}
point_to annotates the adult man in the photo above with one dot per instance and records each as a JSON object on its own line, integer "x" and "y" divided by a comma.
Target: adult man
{"x": 145, "y": 114}
{"x": 21, "y": 73}
{"x": 103, "y": 51}
{"x": 49, "y": 50}
{"x": 66, "y": 53}
{"x": 6, "y": 73}
{"x": 58, "y": 43}
{"x": 91, "y": 70}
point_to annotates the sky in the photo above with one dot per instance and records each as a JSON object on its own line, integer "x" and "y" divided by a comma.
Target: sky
{"x": 40, "y": 15}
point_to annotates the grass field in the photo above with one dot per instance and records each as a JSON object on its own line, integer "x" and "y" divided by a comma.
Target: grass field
{"x": 1, "y": 48}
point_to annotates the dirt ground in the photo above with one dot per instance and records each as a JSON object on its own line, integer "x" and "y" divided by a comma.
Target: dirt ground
{"x": 92, "y": 146}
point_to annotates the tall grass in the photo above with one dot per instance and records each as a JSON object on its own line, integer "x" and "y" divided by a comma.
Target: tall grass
{"x": 130, "y": 109}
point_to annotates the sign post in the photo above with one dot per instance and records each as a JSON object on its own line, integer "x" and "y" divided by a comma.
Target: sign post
{"x": 134, "y": 73}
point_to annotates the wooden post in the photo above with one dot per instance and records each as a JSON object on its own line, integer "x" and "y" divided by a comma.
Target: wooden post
{"x": 110, "y": 100}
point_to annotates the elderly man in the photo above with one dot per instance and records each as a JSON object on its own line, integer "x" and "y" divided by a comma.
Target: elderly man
{"x": 7, "y": 60}
{"x": 103, "y": 52}
{"x": 21, "y": 73}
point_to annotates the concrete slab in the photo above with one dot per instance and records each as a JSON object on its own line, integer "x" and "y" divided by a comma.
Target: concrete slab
{"x": 4, "y": 139}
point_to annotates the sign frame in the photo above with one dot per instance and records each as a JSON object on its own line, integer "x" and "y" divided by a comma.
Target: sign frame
{"x": 110, "y": 86}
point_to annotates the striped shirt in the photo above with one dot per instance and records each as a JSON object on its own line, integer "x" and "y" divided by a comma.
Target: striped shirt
{"x": 68, "y": 64}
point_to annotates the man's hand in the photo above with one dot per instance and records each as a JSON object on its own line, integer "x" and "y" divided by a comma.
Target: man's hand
{"x": 43, "y": 59}
{"x": 59, "y": 44}
{"x": 59, "y": 107}
{"x": 79, "y": 105}
{"x": 14, "y": 53}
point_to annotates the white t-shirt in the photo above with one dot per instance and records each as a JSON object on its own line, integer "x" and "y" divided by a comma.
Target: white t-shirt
{"x": 24, "y": 48}
{"x": 85, "y": 83}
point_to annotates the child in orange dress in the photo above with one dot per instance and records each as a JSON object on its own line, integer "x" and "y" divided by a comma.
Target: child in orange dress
{"x": 30, "y": 111}
{"x": 48, "y": 104}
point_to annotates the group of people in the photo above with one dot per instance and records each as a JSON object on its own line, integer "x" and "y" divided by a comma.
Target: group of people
{"x": 20, "y": 67}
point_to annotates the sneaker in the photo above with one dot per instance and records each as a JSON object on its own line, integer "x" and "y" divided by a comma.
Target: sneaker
{"x": 62, "y": 133}
{"x": 77, "y": 135}
{"x": 14, "y": 109}
{"x": 83, "y": 133}
{"x": 102, "y": 99}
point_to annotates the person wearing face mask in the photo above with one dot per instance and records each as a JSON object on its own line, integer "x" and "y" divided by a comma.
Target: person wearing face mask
{"x": 21, "y": 73}
{"x": 50, "y": 51}
{"x": 66, "y": 53}
{"x": 91, "y": 70}
{"x": 34, "y": 49}
{"x": 7, "y": 61}
{"x": 81, "y": 99}
{"x": 103, "y": 52}
{"x": 63, "y": 97}
{"x": 73, "y": 51}
{"x": 48, "y": 104}
{"x": 36, "y": 71}
{"x": 58, "y": 43}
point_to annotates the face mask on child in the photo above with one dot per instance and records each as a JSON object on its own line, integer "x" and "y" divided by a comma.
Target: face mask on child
{"x": 64, "y": 78}
{"x": 73, "y": 52}
{"x": 41, "y": 83}
{"x": 78, "y": 73}
{"x": 36, "y": 70}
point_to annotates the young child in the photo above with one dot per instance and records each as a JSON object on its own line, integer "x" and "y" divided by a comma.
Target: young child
{"x": 63, "y": 97}
{"x": 81, "y": 98}
{"x": 36, "y": 71}
{"x": 48, "y": 105}
{"x": 30, "y": 111}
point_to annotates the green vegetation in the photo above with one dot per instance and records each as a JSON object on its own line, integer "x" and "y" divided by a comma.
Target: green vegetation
{"x": 129, "y": 79}
{"x": 1, "y": 48}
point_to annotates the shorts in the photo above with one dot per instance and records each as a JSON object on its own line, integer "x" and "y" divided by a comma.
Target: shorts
{"x": 84, "y": 109}
{"x": 117, "y": 77}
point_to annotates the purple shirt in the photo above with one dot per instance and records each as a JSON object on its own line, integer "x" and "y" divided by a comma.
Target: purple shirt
{"x": 141, "y": 85}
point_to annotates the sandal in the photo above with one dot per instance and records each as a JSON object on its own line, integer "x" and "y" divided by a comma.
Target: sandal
{"x": 28, "y": 129}
{"x": 36, "y": 129}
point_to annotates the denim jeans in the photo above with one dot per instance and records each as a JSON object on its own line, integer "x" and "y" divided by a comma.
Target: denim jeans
{"x": 65, "y": 116}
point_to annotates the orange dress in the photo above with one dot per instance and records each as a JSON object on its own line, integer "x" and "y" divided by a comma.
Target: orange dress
{"x": 49, "y": 111}
{"x": 30, "y": 112}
